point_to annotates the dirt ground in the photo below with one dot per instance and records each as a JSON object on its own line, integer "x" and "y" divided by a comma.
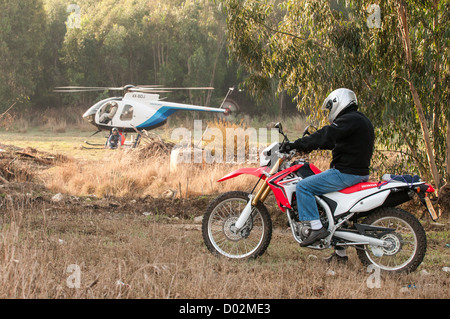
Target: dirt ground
{"x": 151, "y": 247}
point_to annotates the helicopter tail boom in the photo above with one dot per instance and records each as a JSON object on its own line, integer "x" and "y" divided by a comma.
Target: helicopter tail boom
{"x": 168, "y": 108}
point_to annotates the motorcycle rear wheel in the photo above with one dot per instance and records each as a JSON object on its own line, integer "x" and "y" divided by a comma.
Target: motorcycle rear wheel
{"x": 408, "y": 241}
{"x": 219, "y": 233}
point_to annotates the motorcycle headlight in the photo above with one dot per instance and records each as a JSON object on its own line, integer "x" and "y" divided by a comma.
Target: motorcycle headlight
{"x": 264, "y": 160}
{"x": 268, "y": 154}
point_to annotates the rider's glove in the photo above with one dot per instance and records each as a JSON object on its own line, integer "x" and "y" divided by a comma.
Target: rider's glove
{"x": 287, "y": 147}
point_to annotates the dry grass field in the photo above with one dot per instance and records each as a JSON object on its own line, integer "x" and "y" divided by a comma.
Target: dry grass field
{"x": 80, "y": 248}
{"x": 123, "y": 226}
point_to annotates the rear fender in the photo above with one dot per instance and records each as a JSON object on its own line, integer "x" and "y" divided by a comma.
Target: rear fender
{"x": 258, "y": 172}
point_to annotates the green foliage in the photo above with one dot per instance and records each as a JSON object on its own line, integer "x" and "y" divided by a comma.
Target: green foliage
{"x": 22, "y": 25}
{"x": 48, "y": 43}
{"x": 171, "y": 43}
{"x": 313, "y": 47}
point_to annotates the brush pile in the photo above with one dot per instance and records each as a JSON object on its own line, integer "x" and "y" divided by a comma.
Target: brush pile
{"x": 154, "y": 147}
{"x": 18, "y": 164}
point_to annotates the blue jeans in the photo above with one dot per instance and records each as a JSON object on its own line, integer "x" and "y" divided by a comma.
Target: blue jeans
{"x": 326, "y": 182}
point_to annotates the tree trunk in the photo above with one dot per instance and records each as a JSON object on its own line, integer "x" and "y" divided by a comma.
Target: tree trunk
{"x": 403, "y": 24}
{"x": 426, "y": 135}
{"x": 438, "y": 114}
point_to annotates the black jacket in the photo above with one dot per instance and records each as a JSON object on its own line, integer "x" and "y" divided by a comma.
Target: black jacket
{"x": 350, "y": 137}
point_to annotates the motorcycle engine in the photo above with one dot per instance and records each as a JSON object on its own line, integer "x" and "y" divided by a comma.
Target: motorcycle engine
{"x": 303, "y": 230}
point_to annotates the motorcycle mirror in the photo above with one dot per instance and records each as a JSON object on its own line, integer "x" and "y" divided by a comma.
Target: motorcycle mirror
{"x": 279, "y": 127}
{"x": 308, "y": 128}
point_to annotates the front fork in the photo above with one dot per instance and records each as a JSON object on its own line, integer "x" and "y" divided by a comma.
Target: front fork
{"x": 260, "y": 196}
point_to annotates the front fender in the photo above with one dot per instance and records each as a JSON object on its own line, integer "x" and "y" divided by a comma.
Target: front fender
{"x": 258, "y": 172}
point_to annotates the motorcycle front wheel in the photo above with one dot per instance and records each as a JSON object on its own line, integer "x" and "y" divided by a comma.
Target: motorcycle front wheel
{"x": 219, "y": 232}
{"x": 408, "y": 241}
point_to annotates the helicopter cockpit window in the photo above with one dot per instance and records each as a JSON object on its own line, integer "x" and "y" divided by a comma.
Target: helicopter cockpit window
{"x": 127, "y": 113}
{"x": 108, "y": 111}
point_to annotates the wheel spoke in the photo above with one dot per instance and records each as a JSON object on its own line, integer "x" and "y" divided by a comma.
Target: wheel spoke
{"x": 402, "y": 248}
{"x": 224, "y": 237}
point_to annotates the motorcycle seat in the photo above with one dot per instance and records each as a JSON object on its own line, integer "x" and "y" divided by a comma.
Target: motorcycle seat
{"x": 358, "y": 187}
{"x": 406, "y": 178}
{"x": 387, "y": 178}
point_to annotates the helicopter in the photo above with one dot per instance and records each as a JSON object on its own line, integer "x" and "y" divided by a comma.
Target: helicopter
{"x": 140, "y": 109}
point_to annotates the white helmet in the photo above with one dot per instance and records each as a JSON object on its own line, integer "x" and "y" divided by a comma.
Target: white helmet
{"x": 337, "y": 101}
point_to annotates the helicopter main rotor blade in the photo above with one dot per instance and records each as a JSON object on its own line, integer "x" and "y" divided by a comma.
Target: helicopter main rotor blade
{"x": 107, "y": 87}
{"x": 148, "y": 90}
{"x": 140, "y": 88}
{"x": 189, "y": 88}
{"x": 85, "y": 89}
{"x": 148, "y": 86}
{"x": 76, "y": 90}
{"x": 80, "y": 87}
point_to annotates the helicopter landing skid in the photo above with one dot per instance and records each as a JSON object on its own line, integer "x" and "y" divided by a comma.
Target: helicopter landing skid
{"x": 99, "y": 146}
{"x": 92, "y": 146}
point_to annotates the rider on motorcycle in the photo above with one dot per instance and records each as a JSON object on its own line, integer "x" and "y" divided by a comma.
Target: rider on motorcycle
{"x": 350, "y": 136}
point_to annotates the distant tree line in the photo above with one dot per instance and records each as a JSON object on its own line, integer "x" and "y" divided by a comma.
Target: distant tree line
{"x": 110, "y": 43}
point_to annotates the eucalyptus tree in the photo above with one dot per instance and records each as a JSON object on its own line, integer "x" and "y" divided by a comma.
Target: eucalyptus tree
{"x": 394, "y": 54}
{"x": 170, "y": 42}
{"x": 22, "y": 29}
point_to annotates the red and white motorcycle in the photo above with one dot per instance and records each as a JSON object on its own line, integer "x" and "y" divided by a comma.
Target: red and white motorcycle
{"x": 238, "y": 225}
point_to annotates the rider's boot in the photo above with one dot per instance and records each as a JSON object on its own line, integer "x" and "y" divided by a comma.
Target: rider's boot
{"x": 314, "y": 236}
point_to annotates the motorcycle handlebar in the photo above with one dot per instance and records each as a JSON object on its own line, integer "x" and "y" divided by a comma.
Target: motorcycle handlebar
{"x": 286, "y": 139}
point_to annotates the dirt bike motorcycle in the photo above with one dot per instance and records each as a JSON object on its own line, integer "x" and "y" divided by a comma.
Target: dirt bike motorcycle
{"x": 238, "y": 225}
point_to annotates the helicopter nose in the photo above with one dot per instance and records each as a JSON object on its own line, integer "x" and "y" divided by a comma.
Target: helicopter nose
{"x": 90, "y": 118}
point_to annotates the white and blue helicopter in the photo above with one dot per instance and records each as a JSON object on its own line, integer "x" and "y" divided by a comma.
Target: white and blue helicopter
{"x": 139, "y": 109}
